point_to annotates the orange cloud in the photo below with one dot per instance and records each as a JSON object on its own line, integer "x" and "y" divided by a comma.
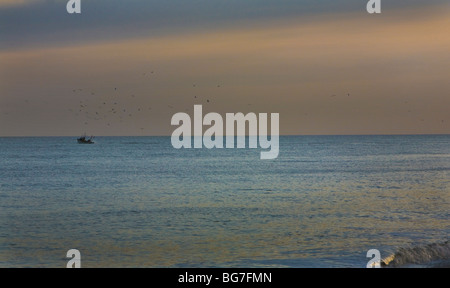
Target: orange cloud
{"x": 394, "y": 68}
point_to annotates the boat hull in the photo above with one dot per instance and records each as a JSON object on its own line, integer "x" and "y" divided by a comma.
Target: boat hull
{"x": 85, "y": 141}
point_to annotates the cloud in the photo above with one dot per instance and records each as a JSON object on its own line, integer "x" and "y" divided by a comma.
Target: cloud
{"x": 47, "y": 23}
{"x": 13, "y": 3}
{"x": 395, "y": 71}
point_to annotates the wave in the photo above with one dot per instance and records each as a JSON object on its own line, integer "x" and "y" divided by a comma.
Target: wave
{"x": 139, "y": 143}
{"x": 426, "y": 256}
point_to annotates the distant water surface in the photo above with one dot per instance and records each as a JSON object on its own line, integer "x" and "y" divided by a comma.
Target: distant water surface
{"x": 138, "y": 202}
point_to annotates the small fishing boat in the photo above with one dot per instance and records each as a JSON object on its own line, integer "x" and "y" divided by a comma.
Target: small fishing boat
{"x": 85, "y": 140}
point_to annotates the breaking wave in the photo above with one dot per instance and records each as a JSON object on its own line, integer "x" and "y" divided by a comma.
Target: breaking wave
{"x": 426, "y": 256}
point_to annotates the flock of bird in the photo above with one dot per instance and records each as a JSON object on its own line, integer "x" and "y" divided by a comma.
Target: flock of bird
{"x": 115, "y": 106}
{"x": 105, "y": 108}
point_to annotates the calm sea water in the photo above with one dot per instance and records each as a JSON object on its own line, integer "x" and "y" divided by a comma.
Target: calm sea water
{"x": 138, "y": 202}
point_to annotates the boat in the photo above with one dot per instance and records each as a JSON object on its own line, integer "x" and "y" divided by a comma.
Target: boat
{"x": 85, "y": 140}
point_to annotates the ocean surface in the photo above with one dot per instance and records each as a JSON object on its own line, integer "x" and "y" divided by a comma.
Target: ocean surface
{"x": 138, "y": 202}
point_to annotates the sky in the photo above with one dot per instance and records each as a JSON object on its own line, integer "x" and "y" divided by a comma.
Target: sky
{"x": 126, "y": 67}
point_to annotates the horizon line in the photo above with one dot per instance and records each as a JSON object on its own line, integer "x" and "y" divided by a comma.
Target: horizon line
{"x": 281, "y": 135}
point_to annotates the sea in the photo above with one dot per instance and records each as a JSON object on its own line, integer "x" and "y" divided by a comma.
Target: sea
{"x": 325, "y": 202}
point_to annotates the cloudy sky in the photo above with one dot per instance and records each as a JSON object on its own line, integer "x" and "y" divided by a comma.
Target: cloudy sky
{"x": 125, "y": 67}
